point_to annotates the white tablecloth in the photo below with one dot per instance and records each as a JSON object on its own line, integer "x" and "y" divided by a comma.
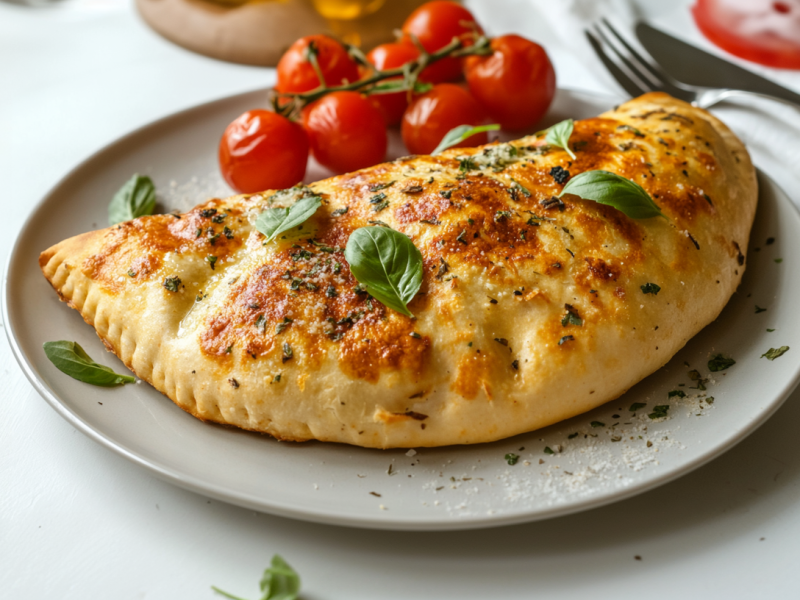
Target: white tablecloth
{"x": 79, "y": 522}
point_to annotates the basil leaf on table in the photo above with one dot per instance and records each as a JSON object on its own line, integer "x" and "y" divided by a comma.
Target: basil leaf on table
{"x": 558, "y": 135}
{"x": 137, "y": 198}
{"x": 614, "y": 190}
{"x": 388, "y": 263}
{"x": 279, "y": 582}
{"x": 459, "y": 134}
{"x": 70, "y": 358}
{"x": 275, "y": 221}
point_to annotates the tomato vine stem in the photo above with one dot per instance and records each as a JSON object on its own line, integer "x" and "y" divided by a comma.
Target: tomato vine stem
{"x": 290, "y": 104}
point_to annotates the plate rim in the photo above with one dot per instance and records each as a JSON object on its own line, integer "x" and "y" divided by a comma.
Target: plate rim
{"x": 315, "y": 514}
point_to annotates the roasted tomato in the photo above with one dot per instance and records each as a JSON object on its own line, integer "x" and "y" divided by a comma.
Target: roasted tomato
{"x": 431, "y": 115}
{"x": 516, "y": 83}
{"x": 346, "y": 131}
{"x": 435, "y": 24}
{"x": 762, "y": 31}
{"x": 261, "y": 151}
{"x": 296, "y": 72}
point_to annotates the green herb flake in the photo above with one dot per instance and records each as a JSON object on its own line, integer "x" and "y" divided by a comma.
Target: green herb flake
{"x": 572, "y": 435}
{"x": 340, "y": 211}
{"x": 759, "y": 309}
{"x": 377, "y": 187}
{"x": 597, "y": 424}
{"x": 281, "y": 327}
{"x": 678, "y": 393}
{"x": 637, "y": 406}
{"x": 774, "y": 353}
{"x": 467, "y": 164}
{"x": 548, "y": 450}
{"x": 131, "y": 273}
{"x": 261, "y": 323}
{"x": 462, "y": 237}
{"x": 770, "y": 330}
{"x": 212, "y": 260}
{"x": 136, "y": 198}
{"x": 172, "y": 283}
{"x": 659, "y": 412}
{"x": 512, "y": 458}
{"x": 522, "y": 189}
{"x": 564, "y": 339}
{"x": 331, "y": 292}
{"x": 720, "y": 363}
{"x": 279, "y": 581}
{"x": 415, "y": 335}
{"x": 288, "y": 353}
{"x": 651, "y": 288}
{"x": 778, "y": 260}
{"x": 70, "y": 358}
{"x": 572, "y": 317}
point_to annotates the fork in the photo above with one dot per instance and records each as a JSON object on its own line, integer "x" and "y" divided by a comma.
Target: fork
{"x": 638, "y": 74}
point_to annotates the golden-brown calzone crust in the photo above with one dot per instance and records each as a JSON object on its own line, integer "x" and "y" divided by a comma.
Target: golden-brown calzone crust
{"x": 277, "y": 338}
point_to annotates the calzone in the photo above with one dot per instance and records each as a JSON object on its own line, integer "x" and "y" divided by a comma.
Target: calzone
{"x": 534, "y": 306}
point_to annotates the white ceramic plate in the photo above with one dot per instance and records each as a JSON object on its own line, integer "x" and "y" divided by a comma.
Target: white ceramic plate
{"x": 446, "y": 488}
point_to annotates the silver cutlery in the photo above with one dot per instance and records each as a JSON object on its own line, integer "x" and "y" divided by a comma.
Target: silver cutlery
{"x": 639, "y": 74}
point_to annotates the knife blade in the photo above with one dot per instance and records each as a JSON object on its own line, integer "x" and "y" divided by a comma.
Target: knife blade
{"x": 691, "y": 65}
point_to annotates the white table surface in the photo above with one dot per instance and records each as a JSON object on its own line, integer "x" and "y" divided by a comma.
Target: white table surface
{"x": 79, "y": 522}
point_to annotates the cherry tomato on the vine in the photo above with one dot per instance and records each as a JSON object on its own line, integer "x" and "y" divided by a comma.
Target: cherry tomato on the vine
{"x": 516, "y": 83}
{"x": 296, "y": 72}
{"x": 432, "y": 114}
{"x": 261, "y": 151}
{"x": 347, "y": 132}
{"x": 435, "y": 24}
{"x": 391, "y": 56}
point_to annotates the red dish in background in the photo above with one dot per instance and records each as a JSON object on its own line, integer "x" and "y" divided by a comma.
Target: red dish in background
{"x": 763, "y": 31}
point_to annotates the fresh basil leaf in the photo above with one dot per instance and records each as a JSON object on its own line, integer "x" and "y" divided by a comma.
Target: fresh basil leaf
{"x": 614, "y": 190}
{"x": 280, "y": 581}
{"x": 719, "y": 362}
{"x": 459, "y": 134}
{"x": 136, "y": 198}
{"x": 388, "y": 263}
{"x": 275, "y": 221}
{"x": 558, "y": 135}
{"x": 70, "y": 358}
{"x": 774, "y": 353}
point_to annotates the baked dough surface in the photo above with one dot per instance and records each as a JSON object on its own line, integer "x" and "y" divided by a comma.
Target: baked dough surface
{"x": 501, "y": 271}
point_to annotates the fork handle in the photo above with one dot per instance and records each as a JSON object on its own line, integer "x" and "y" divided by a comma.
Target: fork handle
{"x": 710, "y": 97}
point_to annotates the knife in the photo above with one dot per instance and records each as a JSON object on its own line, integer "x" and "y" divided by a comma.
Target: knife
{"x": 691, "y": 65}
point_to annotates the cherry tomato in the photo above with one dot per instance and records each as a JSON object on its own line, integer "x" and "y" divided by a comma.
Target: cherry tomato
{"x": 431, "y": 115}
{"x": 263, "y": 151}
{"x": 516, "y": 83}
{"x": 346, "y": 131}
{"x": 435, "y": 24}
{"x": 390, "y": 56}
{"x": 296, "y": 72}
{"x": 762, "y": 31}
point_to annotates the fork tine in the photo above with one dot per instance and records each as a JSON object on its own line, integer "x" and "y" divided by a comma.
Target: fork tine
{"x": 651, "y": 77}
{"x": 631, "y": 66}
{"x": 631, "y": 86}
{"x": 654, "y": 70}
